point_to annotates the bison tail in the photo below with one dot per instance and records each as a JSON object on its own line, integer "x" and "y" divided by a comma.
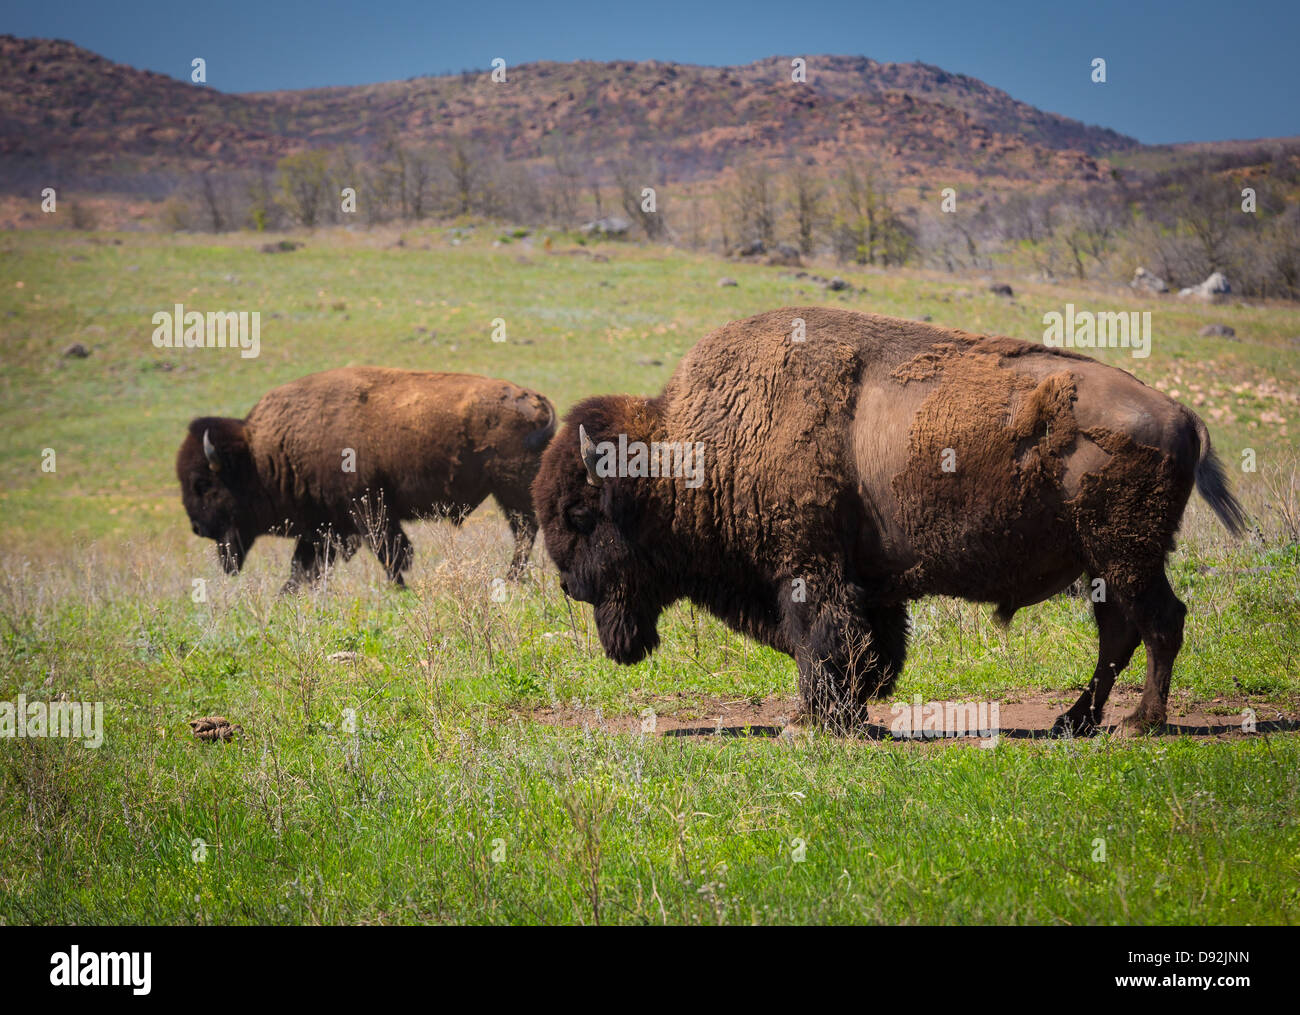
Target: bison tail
{"x": 1212, "y": 483}
{"x": 540, "y": 437}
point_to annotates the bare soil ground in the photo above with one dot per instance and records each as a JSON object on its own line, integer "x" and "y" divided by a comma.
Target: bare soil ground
{"x": 1024, "y": 717}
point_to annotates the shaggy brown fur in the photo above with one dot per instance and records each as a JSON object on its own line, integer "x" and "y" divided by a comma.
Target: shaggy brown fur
{"x": 878, "y": 461}
{"x": 425, "y": 444}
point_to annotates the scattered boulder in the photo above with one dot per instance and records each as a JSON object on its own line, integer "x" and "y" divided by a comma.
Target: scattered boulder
{"x": 76, "y": 350}
{"x": 754, "y": 248}
{"x": 1147, "y": 282}
{"x": 835, "y": 284}
{"x": 610, "y": 225}
{"x": 1001, "y": 289}
{"x": 727, "y": 281}
{"x": 786, "y": 255}
{"x": 1212, "y": 290}
{"x": 1217, "y": 331}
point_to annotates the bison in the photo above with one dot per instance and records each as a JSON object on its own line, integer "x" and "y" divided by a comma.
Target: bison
{"x": 347, "y": 455}
{"x": 873, "y": 462}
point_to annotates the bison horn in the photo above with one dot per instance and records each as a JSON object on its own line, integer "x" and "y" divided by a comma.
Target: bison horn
{"x": 589, "y": 455}
{"x": 210, "y": 453}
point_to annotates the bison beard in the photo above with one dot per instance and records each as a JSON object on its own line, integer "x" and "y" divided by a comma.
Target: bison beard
{"x": 626, "y": 635}
{"x": 877, "y": 462}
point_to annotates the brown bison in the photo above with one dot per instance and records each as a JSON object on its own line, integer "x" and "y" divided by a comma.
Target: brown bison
{"x": 876, "y": 461}
{"x": 347, "y": 455}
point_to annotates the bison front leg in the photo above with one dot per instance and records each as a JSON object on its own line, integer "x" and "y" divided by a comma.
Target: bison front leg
{"x": 523, "y": 526}
{"x": 848, "y": 657}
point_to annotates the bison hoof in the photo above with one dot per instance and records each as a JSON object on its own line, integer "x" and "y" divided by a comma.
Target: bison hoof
{"x": 1067, "y": 725}
{"x": 1140, "y": 724}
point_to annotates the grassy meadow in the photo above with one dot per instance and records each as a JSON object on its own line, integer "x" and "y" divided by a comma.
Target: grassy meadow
{"x": 391, "y": 766}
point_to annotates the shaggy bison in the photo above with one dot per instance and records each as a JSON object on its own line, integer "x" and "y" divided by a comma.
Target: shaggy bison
{"x": 874, "y": 462}
{"x": 343, "y": 456}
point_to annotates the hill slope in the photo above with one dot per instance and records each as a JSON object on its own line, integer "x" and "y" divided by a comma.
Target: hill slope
{"x": 65, "y": 106}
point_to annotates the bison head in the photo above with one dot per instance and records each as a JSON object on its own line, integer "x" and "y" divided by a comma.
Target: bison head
{"x": 219, "y": 487}
{"x": 604, "y": 532}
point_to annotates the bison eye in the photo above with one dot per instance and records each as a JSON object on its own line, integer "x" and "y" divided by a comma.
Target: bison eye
{"x": 201, "y": 486}
{"x": 580, "y": 519}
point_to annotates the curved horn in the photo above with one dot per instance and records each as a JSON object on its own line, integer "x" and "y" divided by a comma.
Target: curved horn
{"x": 589, "y": 455}
{"x": 210, "y": 453}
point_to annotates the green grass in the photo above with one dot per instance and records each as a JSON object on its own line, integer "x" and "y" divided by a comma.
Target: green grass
{"x": 449, "y": 803}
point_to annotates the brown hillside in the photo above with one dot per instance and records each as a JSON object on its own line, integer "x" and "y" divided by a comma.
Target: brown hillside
{"x": 64, "y": 107}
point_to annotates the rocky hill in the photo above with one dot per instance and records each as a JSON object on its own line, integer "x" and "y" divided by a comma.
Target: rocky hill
{"x": 65, "y": 108}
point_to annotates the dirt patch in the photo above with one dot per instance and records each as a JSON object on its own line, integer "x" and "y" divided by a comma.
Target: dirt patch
{"x": 1020, "y": 717}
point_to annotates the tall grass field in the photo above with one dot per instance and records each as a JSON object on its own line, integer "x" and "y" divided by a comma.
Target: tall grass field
{"x": 445, "y": 754}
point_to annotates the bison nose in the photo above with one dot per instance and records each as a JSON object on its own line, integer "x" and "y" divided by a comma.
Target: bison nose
{"x": 564, "y": 586}
{"x": 195, "y": 527}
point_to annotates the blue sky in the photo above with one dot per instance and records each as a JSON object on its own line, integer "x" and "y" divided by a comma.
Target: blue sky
{"x": 1190, "y": 71}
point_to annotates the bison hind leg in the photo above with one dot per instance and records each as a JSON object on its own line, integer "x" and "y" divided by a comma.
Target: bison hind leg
{"x": 306, "y": 565}
{"x": 1117, "y": 638}
{"x": 523, "y": 527}
{"x": 399, "y": 554}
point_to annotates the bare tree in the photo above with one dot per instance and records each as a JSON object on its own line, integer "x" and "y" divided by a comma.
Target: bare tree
{"x": 631, "y": 177}
{"x": 214, "y": 200}
{"x": 755, "y": 204}
{"x": 567, "y": 183}
{"x": 807, "y": 193}
{"x": 1206, "y": 210}
{"x": 304, "y": 186}
{"x": 868, "y": 228}
{"x": 464, "y": 168}
{"x": 421, "y": 168}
